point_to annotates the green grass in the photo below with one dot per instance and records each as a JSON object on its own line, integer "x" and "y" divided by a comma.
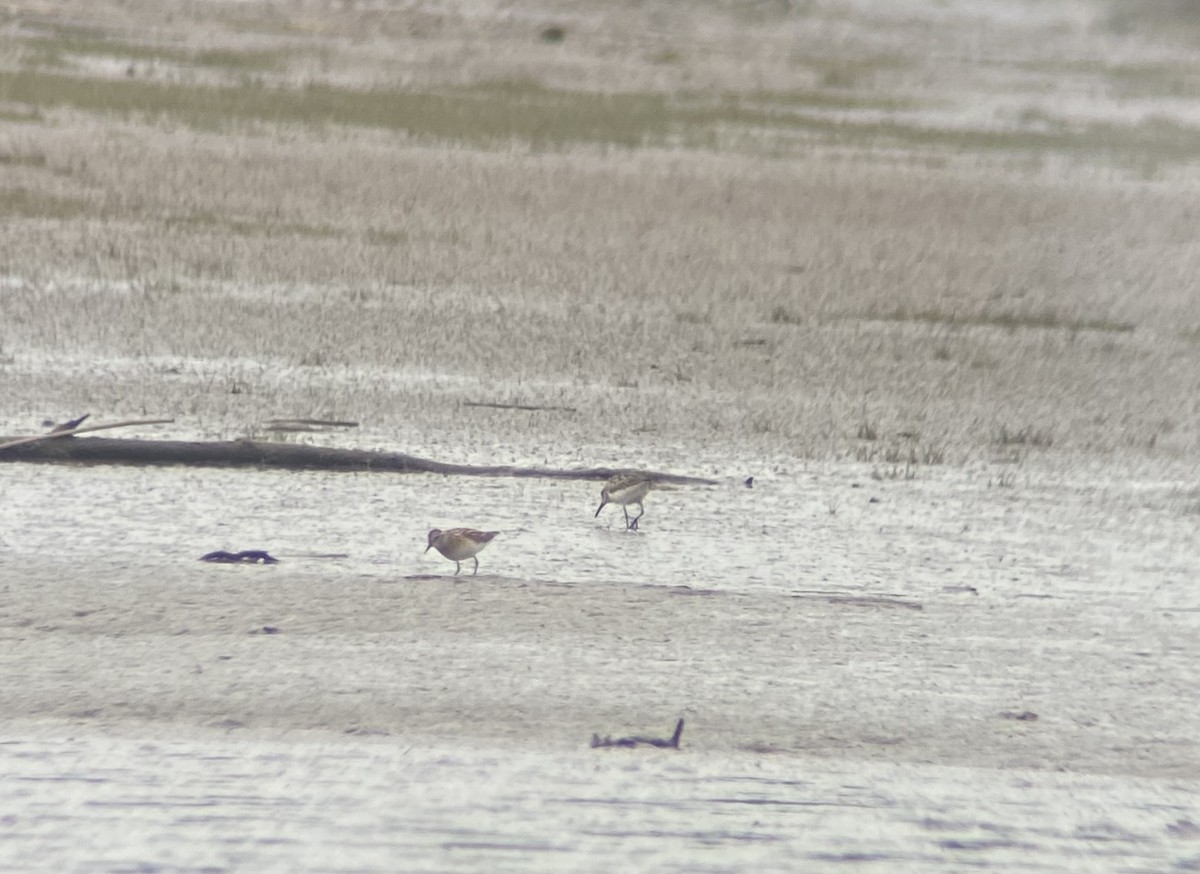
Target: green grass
{"x": 764, "y": 104}
{"x": 522, "y": 110}
{"x": 57, "y": 49}
{"x": 485, "y": 114}
{"x": 263, "y": 60}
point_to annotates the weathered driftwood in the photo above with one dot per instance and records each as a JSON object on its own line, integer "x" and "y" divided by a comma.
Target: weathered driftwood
{"x": 248, "y": 453}
{"x": 671, "y": 743}
{"x": 70, "y": 429}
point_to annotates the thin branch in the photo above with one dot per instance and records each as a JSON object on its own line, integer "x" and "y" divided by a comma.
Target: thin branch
{"x": 301, "y": 424}
{"x": 527, "y": 407}
{"x": 54, "y": 435}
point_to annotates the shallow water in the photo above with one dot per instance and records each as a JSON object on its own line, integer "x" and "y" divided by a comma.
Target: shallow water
{"x": 827, "y": 527}
{"x": 103, "y": 804}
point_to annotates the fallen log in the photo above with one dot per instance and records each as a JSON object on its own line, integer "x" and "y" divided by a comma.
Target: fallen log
{"x": 290, "y": 456}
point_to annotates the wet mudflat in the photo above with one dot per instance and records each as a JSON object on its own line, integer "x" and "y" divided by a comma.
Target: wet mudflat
{"x": 917, "y": 679}
{"x": 212, "y": 803}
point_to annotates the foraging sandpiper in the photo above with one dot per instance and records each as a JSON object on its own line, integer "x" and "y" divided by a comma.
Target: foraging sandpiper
{"x": 459, "y": 544}
{"x": 624, "y": 489}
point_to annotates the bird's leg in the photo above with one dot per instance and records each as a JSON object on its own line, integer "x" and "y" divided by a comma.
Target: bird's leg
{"x": 457, "y": 568}
{"x": 474, "y": 572}
{"x": 625, "y": 510}
{"x": 633, "y": 526}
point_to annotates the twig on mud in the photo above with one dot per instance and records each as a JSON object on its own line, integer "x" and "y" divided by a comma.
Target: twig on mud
{"x": 671, "y": 743}
{"x": 54, "y": 435}
{"x": 304, "y": 425}
{"x": 246, "y": 556}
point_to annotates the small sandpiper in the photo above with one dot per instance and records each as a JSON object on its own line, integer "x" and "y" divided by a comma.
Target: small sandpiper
{"x": 624, "y": 489}
{"x": 459, "y": 544}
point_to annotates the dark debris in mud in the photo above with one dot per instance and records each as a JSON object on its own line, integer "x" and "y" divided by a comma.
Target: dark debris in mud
{"x": 671, "y": 743}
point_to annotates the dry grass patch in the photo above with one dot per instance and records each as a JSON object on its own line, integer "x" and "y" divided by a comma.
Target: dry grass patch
{"x": 1043, "y": 319}
{"x": 761, "y": 106}
{"x": 1041, "y": 438}
{"x": 26, "y": 203}
{"x": 248, "y": 227}
{"x": 1154, "y": 79}
{"x": 842, "y": 72}
{"x": 1156, "y": 138}
{"x": 23, "y": 159}
{"x": 785, "y": 315}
